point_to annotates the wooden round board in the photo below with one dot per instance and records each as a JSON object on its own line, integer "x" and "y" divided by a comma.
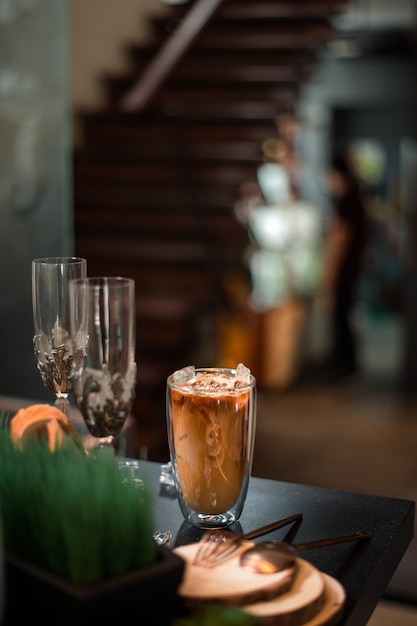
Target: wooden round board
{"x": 334, "y": 601}
{"x": 233, "y": 585}
{"x": 277, "y": 612}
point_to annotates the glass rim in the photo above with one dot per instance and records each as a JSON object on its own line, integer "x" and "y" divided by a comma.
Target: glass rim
{"x": 226, "y": 370}
{"x": 53, "y": 260}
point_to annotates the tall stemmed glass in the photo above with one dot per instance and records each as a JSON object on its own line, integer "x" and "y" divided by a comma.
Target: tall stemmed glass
{"x": 103, "y": 329}
{"x": 51, "y": 343}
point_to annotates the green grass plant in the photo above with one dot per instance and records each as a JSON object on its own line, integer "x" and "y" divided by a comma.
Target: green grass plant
{"x": 70, "y": 512}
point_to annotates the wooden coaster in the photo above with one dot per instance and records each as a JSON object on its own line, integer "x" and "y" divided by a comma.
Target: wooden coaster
{"x": 334, "y": 601}
{"x": 232, "y": 585}
{"x": 325, "y": 611}
{"x": 300, "y": 603}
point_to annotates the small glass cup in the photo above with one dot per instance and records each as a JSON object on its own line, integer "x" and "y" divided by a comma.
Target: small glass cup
{"x": 211, "y": 420}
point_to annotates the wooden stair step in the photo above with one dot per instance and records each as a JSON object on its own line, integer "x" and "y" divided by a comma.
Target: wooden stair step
{"x": 159, "y": 152}
{"x": 179, "y": 255}
{"x": 162, "y": 223}
{"x": 235, "y": 113}
{"x": 147, "y": 173}
{"x": 177, "y": 97}
{"x": 235, "y": 64}
{"x": 246, "y": 110}
{"x": 163, "y": 272}
{"x": 272, "y": 37}
{"x": 249, "y": 16}
{"x": 328, "y": 5}
{"x": 157, "y": 310}
{"x": 170, "y": 138}
{"x": 117, "y": 87}
{"x": 143, "y": 255}
{"x": 139, "y": 55}
{"x": 215, "y": 75}
{"x": 283, "y": 10}
{"x": 146, "y": 194}
{"x": 116, "y": 127}
{"x": 238, "y": 116}
{"x": 145, "y": 251}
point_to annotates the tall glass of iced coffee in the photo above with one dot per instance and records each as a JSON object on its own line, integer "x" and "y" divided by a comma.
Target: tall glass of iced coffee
{"x": 211, "y": 419}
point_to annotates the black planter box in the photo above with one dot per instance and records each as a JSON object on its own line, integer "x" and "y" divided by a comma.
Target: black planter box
{"x": 149, "y": 593}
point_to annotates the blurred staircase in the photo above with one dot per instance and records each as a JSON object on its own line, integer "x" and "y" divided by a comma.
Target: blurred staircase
{"x": 156, "y": 177}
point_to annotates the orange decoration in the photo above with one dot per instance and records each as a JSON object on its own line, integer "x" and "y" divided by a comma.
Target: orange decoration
{"x": 41, "y": 420}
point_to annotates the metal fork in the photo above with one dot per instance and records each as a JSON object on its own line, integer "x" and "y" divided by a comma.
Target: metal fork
{"x": 218, "y": 545}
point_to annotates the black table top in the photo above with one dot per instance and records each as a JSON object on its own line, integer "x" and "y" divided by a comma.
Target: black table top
{"x": 363, "y": 568}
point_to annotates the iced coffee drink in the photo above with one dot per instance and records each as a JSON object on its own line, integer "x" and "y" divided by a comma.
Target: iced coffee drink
{"x": 211, "y": 423}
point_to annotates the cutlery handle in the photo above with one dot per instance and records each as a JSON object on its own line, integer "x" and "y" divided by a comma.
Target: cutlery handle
{"x": 322, "y": 543}
{"x": 264, "y": 530}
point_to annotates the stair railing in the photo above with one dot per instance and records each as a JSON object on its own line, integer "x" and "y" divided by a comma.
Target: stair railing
{"x": 169, "y": 55}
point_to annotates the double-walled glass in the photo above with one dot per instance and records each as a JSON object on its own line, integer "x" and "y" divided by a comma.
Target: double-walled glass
{"x": 211, "y": 420}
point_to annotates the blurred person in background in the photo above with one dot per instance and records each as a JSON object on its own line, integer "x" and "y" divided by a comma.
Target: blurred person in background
{"x": 344, "y": 250}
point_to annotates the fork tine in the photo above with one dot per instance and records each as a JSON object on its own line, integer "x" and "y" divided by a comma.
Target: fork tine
{"x": 220, "y": 553}
{"x": 218, "y": 545}
{"x": 215, "y": 547}
{"x": 213, "y": 543}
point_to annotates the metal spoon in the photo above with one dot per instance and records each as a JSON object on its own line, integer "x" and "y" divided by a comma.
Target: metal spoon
{"x": 269, "y": 557}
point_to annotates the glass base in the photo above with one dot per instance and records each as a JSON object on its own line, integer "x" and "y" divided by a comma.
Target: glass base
{"x": 208, "y": 522}
{"x": 105, "y": 444}
{"x": 95, "y": 445}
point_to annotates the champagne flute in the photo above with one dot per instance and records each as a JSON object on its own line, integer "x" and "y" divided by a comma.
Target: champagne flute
{"x": 51, "y": 342}
{"x": 103, "y": 330}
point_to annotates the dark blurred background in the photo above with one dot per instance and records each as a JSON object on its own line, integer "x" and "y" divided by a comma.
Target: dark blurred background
{"x": 171, "y": 187}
